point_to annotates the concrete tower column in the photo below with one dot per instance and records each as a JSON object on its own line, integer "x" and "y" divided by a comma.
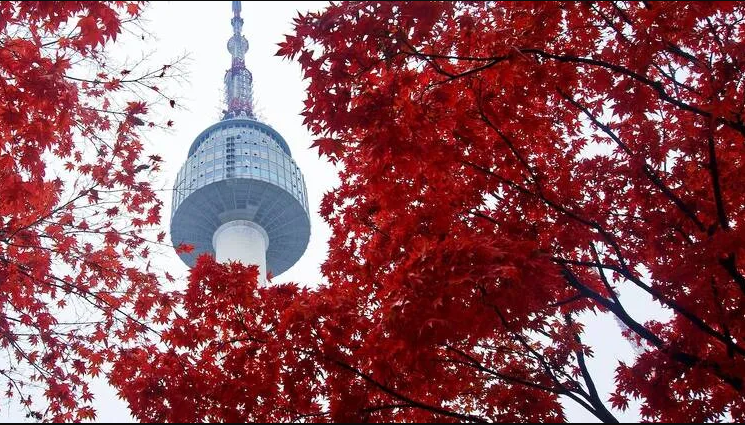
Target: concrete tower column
{"x": 243, "y": 241}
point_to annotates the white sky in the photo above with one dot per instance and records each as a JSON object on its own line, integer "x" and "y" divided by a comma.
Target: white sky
{"x": 201, "y": 30}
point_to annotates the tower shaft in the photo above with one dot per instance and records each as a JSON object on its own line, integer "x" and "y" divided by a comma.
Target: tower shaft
{"x": 244, "y": 241}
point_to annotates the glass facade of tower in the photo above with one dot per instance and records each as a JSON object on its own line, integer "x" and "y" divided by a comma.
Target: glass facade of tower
{"x": 239, "y": 149}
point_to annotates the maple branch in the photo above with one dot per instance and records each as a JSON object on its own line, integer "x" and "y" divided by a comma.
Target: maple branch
{"x": 670, "y": 77}
{"x": 81, "y": 194}
{"x": 490, "y": 61}
{"x": 617, "y": 309}
{"x": 610, "y": 23}
{"x": 661, "y": 298}
{"x": 426, "y": 58}
{"x": 493, "y": 61}
{"x": 687, "y": 359}
{"x": 607, "y": 236}
{"x": 722, "y": 317}
{"x": 658, "y": 87}
{"x": 64, "y": 285}
{"x": 474, "y": 363}
{"x": 27, "y": 407}
{"x": 449, "y": 57}
{"x": 548, "y": 370}
{"x": 297, "y": 416}
{"x": 567, "y": 301}
{"x": 144, "y": 76}
{"x": 507, "y": 142}
{"x": 594, "y": 396}
{"x": 673, "y": 48}
{"x": 655, "y": 85}
{"x": 528, "y": 192}
{"x": 723, "y": 51}
{"x": 374, "y": 409}
{"x": 683, "y": 233}
{"x": 714, "y": 170}
{"x": 366, "y": 410}
{"x": 396, "y": 394}
{"x": 601, "y": 272}
{"x": 656, "y": 180}
{"x": 623, "y": 269}
{"x": 729, "y": 263}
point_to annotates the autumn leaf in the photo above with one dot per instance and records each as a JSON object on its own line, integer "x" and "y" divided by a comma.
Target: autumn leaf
{"x": 184, "y": 248}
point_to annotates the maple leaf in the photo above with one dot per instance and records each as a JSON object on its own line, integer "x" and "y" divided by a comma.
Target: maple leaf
{"x": 112, "y": 85}
{"x": 113, "y": 211}
{"x": 133, "y": 8}
{"x": 184, "y": 248}
{"x": 619, "y": 401}
{"x": 329, "y": 147}
{"x": 135, "y": 108}
{"x": 90, "y": 34}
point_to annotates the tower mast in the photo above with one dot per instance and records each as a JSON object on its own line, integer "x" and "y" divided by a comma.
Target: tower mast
{"x": 238, "y": 79}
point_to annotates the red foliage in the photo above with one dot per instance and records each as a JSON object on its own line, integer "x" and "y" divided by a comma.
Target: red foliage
{"x": 505, "y": 168}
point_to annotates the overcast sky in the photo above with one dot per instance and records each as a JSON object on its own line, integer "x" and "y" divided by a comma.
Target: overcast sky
{"x": 201, "y": 30}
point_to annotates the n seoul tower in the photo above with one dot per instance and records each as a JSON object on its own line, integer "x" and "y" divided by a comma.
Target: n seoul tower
{"x": 239, "y": 195}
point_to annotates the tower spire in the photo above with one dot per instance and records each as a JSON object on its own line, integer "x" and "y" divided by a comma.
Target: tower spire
{"x": 238, "y": 79}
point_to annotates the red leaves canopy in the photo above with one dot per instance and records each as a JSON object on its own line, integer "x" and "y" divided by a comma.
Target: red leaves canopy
{"x": 506, "y": 167}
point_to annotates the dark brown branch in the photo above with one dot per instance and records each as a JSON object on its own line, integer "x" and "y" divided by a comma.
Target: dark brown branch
{"x": 687, "y": 359}
{"x": 722, "y": 317}
{"x": 624, "y": 269}
{"x": 395, "y": 394}
{"x": 662, "y": 299}
{"x": 601, "y": 272}
{"x": 714, "y": 170}
{"x": 540, "y": 358}
{"x": 373, "y": 409}
{"x": 617, "y": 309}
{"x": 658, "y": 87}
{"x": 567, "y": 301}
{"x": 730, "y": 264}
{"x": 600, "y": 408}
{"x": 653, "y": 177}
{"x": 473, "y": 362}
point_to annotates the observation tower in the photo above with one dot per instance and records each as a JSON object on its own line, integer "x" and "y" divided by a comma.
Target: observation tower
{"x": 240, "y": 196}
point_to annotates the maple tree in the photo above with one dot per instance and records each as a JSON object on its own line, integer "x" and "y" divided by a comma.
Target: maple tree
{"x": 505, "y": 168}
{"x": 76, "y": 201}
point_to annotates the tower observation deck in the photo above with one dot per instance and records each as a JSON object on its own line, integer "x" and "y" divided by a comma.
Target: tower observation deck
{"x": 240, "y": 196}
